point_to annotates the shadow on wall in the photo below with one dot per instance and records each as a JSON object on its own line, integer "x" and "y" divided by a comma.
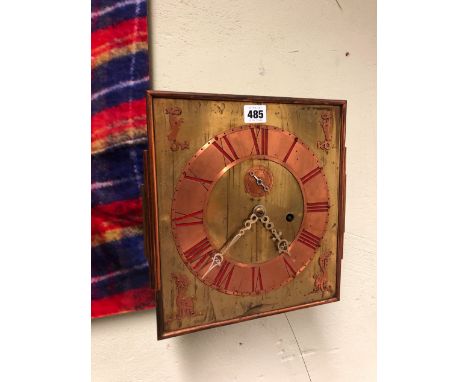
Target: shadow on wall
{"x": 263, "y": 348}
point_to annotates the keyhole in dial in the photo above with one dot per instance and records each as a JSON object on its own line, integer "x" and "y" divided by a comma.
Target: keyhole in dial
{"x": 289, "y": 217}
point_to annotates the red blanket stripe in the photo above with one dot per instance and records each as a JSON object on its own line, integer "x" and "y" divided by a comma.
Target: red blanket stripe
{"x": 117, "y": 118}
{"x": 119, "y": 35}
{"x": 121, "y": 214}
{"x": 129, "y": 130}
{"x": 123, "y": 127}
{"x": 136, "y": 299}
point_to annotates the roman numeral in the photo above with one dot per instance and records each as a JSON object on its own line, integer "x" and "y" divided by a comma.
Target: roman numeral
{"x": 309, "y": 239}
{"x": 199, "y": 253}
{"x": 203, "y": 261}
{"x": 310, "y": 175}
{"x": 224, "y": 275}
{"x": 257, "y": 284}
{"x": 289, "y": 268}
{"x": 290, "y": 150}
{"x": 181, "y": 221}
{"x": 317, "y": 207}
{"x": 261, "y": 149}
{"x": 224, "y": 152}
{"x": 202, "y": 181}
{"x": 264, "y": 133}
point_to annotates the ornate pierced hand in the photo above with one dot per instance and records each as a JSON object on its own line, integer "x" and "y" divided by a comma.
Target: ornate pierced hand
{"x": 258, "y": 214}
{"x": 218, "y": 257}
{"x": 259, "y": 181}
{"x": 282, "y": 244}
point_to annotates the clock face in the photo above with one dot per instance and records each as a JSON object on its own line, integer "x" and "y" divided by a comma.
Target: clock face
{"x": 244, "y": 206}
{"x": 250, "y": 237}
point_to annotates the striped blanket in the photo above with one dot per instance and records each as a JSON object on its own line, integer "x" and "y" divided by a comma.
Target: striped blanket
{"x": 119, "y": 78}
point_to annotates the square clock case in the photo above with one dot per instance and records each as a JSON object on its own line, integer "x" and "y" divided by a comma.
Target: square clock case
{"x": 244, "y": 200}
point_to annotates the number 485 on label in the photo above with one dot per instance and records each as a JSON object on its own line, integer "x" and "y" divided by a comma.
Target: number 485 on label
{"x": 254, "y": 113}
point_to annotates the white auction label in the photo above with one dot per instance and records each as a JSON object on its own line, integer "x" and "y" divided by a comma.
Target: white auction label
{"x": 254, "y": 113}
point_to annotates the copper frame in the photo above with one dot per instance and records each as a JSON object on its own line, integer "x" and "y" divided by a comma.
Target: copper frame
{"x": 149, "y": 194}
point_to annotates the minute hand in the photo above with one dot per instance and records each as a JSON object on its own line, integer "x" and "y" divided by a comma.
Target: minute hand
{"x": 282, "y": 244}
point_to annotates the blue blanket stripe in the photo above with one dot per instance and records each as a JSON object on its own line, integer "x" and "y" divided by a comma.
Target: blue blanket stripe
{"x": 123, "y": 169}
{"x": 129, "y": 93}
{"x": 137, "y": 278}
{"x": 121, "y": 162}
{"x": 116, "y": 255}
{"x": 98, "y": 5}
{"x": 117, "y": 15}
{"x": 118, "y": 70}
{"x": 124, "y": 190}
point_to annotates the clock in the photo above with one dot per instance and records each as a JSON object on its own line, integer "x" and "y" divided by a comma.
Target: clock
{"x": 244, "y": 200}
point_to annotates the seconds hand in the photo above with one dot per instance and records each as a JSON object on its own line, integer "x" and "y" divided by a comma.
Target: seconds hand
{"x": 259, "y": 181}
